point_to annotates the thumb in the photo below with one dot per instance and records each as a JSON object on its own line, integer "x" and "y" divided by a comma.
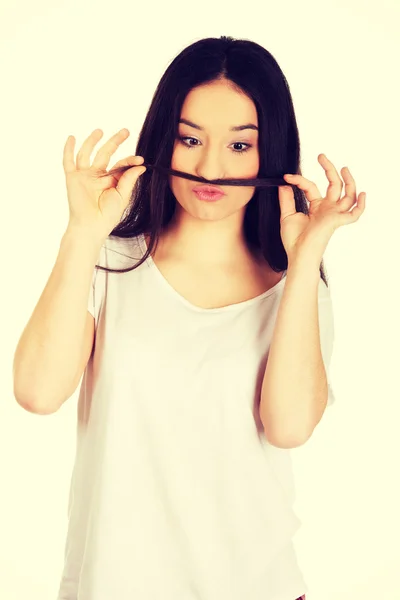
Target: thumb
{"x": 286, "y": 201}
{"x": 128, "y": 181}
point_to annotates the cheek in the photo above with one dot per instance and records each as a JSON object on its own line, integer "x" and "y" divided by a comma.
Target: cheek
{"x": 254, "y": 165}
{"x": 179, "y": 158}
{"x": 245, "y": 167}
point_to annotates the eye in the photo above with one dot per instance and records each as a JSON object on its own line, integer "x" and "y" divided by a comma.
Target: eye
{"x": 248, "y": 146}
{"x": 183, "y": 139}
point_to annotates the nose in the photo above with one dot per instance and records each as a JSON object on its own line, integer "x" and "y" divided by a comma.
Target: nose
{"x": 210, "y": 167}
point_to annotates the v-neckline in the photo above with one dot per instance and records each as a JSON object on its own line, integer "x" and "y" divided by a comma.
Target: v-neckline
{"x": 182, "y": 299}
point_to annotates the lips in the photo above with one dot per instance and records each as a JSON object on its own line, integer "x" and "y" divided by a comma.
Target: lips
{"x": 210, "y": 189}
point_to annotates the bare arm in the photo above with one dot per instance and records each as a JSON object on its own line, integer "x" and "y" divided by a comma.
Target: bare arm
{"x": 294, "y": 390}
{"x": 48, "y": 354}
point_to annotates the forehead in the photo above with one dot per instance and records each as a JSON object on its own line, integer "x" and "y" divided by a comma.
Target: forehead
{"x": 218, "y": 106}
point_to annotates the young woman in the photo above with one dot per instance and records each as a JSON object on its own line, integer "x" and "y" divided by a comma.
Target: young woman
{"x": 206, "y": 349}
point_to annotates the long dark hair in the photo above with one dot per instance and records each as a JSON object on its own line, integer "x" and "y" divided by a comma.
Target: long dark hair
{"x": 254, "y": 71}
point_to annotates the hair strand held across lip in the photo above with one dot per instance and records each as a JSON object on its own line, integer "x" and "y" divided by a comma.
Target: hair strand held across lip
{"x": 264, "y": 182}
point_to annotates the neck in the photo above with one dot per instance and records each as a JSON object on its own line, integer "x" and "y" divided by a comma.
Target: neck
{"x": 211, "y": 244}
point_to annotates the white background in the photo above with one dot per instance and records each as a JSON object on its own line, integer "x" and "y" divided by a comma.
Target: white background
{"x": 69, "y": 67}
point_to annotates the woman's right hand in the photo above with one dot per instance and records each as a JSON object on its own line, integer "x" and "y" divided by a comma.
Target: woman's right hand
{"x": 97, "y": 201}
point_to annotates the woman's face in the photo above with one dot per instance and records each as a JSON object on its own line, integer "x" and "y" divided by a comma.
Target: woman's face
{"x": 214, "y": 151}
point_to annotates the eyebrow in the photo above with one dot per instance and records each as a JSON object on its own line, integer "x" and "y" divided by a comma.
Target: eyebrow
{"x": 237, "y": 128}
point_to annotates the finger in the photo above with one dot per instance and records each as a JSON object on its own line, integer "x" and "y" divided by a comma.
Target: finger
{"x": 83, "y": 156}
{"x": 104, "y": 154}
{"x": 128, "y": 180}
{"x": 68, "y": 155}
{"x": 287, "y": 202}
{"x": 308, "y": 187}
{"x": 355, "y": 214}
{"x": 126, "y": 162}
{"x": 350, "y": 197}
{"x": 334, "y": 190}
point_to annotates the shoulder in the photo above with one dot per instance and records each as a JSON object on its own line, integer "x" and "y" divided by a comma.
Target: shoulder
{"x": 120, "y": 253}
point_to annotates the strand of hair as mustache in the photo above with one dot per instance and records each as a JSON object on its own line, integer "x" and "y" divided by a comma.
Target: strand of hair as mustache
{"x": 263, "y": 182}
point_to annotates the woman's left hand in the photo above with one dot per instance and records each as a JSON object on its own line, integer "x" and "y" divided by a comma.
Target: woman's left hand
{"x": 308, "y": 235}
